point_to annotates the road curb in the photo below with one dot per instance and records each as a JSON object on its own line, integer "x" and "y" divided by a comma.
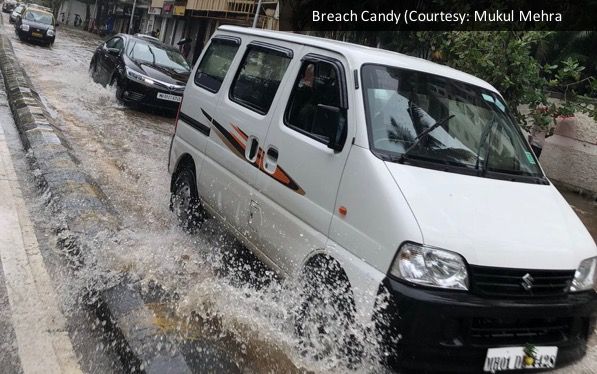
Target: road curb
{"x": 83, "y": 215}
{"x": 76, "y": 199}
{"x": 141, "y": 346}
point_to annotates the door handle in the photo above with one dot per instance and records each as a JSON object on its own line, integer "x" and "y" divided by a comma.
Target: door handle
{"x": 270, "y": 163}
{"x": 252, "y": 148}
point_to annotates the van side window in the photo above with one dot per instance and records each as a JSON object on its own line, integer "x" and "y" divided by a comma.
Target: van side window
{"x": 317, "y": 83}
{"x": 258, "y": 78}
{"x": 215, "y": 63}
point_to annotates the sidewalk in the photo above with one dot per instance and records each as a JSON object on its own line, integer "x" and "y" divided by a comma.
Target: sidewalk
{"x": 30, "y": 316}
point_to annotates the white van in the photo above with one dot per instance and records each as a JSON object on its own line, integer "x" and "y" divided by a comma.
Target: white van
{"x": 404, "y": 177}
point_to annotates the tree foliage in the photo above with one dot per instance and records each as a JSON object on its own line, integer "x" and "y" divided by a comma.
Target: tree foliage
{"x": 506, "y": 60}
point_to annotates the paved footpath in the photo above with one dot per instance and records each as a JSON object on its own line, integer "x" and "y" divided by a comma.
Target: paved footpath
{"x": 33, "y": 334}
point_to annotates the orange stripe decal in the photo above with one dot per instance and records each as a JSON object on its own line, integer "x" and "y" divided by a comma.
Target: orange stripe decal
{"x": 236, "y": 142}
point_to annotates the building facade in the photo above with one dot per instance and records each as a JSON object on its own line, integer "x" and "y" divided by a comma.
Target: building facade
{"x": 198, "y": 19}
{"x": 171, "y": 20}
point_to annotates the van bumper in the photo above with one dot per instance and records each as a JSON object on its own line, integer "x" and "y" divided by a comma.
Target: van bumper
{"x": 451, "y": 331}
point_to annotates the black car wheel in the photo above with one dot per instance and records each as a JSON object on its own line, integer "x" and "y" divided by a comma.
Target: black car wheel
{"x": 119, "y": 89}
{"x": 93, "y": 70}
{"x": 184, "y": 200}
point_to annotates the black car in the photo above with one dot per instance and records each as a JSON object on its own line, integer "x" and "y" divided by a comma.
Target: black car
{"x": 144, "y": 70}
{"x": 8, "y": 6}
{"x": 36, "y": 25}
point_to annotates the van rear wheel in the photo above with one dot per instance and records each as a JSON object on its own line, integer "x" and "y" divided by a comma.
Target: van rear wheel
{"x": 185, "y": 202}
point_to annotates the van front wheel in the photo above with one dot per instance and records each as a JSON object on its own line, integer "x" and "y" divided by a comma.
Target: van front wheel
{"x": 325, "y": 319}
{"x": 185, "y": 202}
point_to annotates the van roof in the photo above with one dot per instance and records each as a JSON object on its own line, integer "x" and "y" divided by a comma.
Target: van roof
{"x": 359, "y": 54}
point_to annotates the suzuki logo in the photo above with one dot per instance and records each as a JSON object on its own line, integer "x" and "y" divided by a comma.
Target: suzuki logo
{"x": 527, "y": 282}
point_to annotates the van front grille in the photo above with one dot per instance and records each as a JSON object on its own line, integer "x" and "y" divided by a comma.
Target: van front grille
{"x": 495, "y": 331}
{"x": 519, "y": 283}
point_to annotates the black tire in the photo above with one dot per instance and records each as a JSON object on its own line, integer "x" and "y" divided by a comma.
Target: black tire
{"x": 119, "y": 89}
{"x": 93, "y": 70}
{"x": 184, "y": 200}
{"x": 325, "y": 320}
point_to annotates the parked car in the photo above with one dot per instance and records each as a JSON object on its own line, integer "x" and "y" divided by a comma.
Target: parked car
{"x": 371, "y": 176}
{"x": 36, "y": 25}
{"x": 144, "y": 71}
{"x": 8, "y": 6}
{"x": 16, "y": 13}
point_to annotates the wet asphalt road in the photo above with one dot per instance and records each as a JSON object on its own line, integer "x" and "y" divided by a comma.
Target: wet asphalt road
{"x": 126, "y": 151}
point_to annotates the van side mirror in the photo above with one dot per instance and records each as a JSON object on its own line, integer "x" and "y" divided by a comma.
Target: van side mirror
{"x": 330, "y": 119}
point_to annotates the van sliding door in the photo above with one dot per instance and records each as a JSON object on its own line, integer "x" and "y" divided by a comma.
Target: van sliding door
{"x": 239, "y": 127}
{"x": 301, "y": 173}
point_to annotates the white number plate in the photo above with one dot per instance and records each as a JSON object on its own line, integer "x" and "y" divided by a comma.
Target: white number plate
{"x": 169, "y": 97}
{"x": 514, "y": 358}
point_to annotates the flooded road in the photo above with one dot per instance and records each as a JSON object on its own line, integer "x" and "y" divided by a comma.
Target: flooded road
{"x": 222, "y": 297}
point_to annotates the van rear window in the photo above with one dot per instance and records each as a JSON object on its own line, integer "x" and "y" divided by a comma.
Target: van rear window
{"x": 215, "y": 64}
{"x": 258, "y": 78}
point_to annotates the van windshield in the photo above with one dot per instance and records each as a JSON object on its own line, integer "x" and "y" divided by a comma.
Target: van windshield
{"x": 473, "y": 128}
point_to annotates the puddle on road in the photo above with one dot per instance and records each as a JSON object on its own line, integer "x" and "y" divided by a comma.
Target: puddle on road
{"x": 250, "y": 354}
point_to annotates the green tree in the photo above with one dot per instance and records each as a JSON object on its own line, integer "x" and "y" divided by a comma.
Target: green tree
{"x": 506, "y": 60}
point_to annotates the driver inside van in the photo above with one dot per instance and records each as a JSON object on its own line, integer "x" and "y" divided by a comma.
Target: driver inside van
{"x": 304, "y": 101}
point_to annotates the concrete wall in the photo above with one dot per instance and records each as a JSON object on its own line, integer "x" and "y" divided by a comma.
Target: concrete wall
{"x": 570, "y": 155}
{"x": 70, "y": 8}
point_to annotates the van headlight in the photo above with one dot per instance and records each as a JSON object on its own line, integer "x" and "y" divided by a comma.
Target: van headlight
{"x": 25, "y": 27}
{"x": 585, "y": 277}
{"x": 50, "y": 32}
{"x": 429, "y": 266}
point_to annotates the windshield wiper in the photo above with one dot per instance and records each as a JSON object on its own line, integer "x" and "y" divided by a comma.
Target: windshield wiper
{"x": 423, "y": 133}
{"x": 152, "y": 54}
{"x": 482, "y": 138}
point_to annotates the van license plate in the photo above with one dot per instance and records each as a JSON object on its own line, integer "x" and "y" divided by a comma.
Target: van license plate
{"x": 514, "y": 358}
{"x": 169, "y": 97}
{"x": 37, "y": 34}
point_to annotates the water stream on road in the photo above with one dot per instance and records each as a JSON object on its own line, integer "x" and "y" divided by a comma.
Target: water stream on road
{"x": 227, "y": 298}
